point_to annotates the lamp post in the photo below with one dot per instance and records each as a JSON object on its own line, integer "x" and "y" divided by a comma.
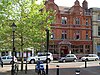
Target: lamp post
{"x": 26, "y": 62}
{"x": 47, "y": 36}
{"x": 13, "y": 52}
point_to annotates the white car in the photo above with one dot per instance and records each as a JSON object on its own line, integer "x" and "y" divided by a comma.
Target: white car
{"x": 42, "y": 56}
{"x": 8, "y": 59}
{"x": 90, "y": 57}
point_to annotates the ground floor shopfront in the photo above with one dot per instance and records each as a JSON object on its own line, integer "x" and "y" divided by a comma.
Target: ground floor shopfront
{"x": 96, "y": 45}
{"x": 63, "y": 47}
{"x": 26, "y": 53}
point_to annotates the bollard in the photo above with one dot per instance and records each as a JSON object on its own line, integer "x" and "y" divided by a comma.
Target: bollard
{"x": 25, "y": 69}
{"x": 57, "y": 69}
{"x": 85, "y": 63}
{"x": 77, "y": 72}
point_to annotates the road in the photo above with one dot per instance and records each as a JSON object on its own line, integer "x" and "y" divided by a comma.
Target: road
{"x": 67, "y": 68}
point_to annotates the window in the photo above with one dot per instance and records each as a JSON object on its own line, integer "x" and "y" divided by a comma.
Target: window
{"x": 98, "y": 17}
{"x": 77, "y": 35}
{"x": 86, "y": 21}
{"x": 64, "y": 35}
{"x": 3, "y": 57}
{"x": 98, "y": 30}
{"x": 86, "y": 35}
{"x": 64, "y": 20}
{"x": 9, "y": 57}
{"x": 53, "y": 21}
{"x": 77, "y": 21}
{"x": 71, "y": 55}
{"x": 68, "y": 56}
{"x": 52, "y": 35}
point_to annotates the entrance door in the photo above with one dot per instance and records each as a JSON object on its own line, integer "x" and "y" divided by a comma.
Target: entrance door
{"x": 64, "y": 50}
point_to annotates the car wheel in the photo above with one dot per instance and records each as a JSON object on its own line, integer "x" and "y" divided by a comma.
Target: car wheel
{"x": 64, "y": 61}
{"x": 32, "y": 61}
{"x": 75, "y": 60}
{"x": 11, "y": 62}
{"x": 86, "y": 59}
{"x": 96, "y": 59}
{"x": 48, "y": 60}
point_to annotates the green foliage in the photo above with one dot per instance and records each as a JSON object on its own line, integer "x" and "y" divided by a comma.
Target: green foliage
{"x": 31, "y": 23}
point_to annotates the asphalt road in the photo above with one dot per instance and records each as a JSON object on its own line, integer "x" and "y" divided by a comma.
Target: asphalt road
{"x": 68, "y": 68}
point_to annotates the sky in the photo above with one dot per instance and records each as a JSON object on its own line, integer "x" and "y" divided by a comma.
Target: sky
{"x": 69, "y": 3}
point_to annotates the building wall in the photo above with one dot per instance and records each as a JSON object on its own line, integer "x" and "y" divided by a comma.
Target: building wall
{"x": 78, "y": 46}
{"x": 96, "y": 24}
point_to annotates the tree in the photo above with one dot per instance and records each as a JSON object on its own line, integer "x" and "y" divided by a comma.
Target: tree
{"x": 31, "y": 19}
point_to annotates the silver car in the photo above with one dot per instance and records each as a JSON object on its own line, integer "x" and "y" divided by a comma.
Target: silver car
{"x": 68, "y": 57}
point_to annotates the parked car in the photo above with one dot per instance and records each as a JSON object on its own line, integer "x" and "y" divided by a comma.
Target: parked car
{"x": 42, "y": 56}
{"x": 68, "y": 57}
{"x": 89, "y": 57}
{"x": 8, "y": 59}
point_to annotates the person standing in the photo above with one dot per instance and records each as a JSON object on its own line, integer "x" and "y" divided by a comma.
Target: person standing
{"x": 1, "y": 62}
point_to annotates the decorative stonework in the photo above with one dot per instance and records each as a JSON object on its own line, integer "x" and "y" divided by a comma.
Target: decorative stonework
{"x": 64, "y": 42}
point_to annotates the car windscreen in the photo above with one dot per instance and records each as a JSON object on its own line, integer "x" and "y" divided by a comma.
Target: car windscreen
{"x": 9, "y": 57}
{"x": 43, "y": 54}
{"x": 86, "y": 55}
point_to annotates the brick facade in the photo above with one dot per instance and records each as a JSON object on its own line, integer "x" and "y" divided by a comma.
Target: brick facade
{"x": 72, "y": 29}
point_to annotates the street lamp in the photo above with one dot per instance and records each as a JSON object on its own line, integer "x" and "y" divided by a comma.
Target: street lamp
{"x": 47, "y": 47}
{"x": 13, "y": 52}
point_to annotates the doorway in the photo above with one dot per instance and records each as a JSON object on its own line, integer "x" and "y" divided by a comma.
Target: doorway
{"x": 64, "y": 50}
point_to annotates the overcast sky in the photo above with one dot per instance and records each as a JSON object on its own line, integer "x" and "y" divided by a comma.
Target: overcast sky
{"x": 69, "y": 3}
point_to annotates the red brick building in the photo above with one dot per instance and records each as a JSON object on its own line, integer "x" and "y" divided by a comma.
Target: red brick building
{"x": 72, "y": 29}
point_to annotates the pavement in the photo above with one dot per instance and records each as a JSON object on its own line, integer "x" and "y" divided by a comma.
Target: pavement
{"x": 93, "y": 69}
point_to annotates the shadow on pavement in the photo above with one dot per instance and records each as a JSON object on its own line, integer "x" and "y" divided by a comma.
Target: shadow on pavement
{"x": 95, "y": 70}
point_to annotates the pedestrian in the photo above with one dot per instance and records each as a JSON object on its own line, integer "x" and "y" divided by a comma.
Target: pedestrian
{"x": 39, "y": 62}
{"x": 1, "y": 62}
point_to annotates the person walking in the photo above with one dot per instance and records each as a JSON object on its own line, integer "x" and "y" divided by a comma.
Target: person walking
{"x": 1, "y": 62}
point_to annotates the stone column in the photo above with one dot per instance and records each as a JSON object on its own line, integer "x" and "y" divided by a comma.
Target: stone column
{"x": 59, "y": 51}
{"x": 84, "y": 49}
{"x": 32, "y": 51}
